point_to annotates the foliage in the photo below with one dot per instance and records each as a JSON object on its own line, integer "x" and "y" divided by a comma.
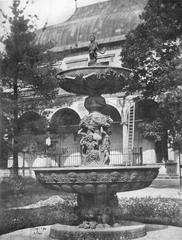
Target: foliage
{"x": 14, "y": 219}
{"x": 22, "y": 71}
{"x": 152, "y": 50}
{"x": 151, "y": 126}
{"x": 32, "y": 133}
{"x": 150, "y": 208}
{"x": 32, "y": 192}
{"x": 152, "y": 130}
{"x": 12, "y": 185}
{"x": 172, "y": 102}
{"x": 23, "y": 62}
{"x": 166, "y": 118}
{"x": 156, "y": 36}
{"x": 31, "y": 143}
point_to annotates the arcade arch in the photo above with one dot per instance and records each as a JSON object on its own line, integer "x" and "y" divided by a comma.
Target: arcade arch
{"x": 63, "y": 129}
{"x": 31, "y": 139}
{"x": 113, "y": 112}
{"x": 63, "y": 118}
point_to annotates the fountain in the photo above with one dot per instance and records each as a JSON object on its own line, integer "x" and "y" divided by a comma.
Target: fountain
{"x": 96, "y": 182}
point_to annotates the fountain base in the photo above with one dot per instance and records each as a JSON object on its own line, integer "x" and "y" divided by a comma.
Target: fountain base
{"x": 96, "y": 189}
{"x": 124, "y": 230}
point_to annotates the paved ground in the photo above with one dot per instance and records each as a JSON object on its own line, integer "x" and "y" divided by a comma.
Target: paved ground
{"x": 154, "y": 192}
{"x": 154, "y": 232}
{"x": 161, "y": 232}
{"x": 162, "y": 187}
{"x": 162, "y": 182}
{"x": 41, "y": 233}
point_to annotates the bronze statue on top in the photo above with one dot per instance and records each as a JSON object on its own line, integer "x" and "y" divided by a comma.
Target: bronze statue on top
{"x": 93, "y": 49}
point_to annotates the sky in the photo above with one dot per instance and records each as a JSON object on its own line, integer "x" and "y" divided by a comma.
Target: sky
{"x": 53, "y": 11}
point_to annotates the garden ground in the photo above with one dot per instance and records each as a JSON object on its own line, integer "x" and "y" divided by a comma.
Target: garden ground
{"x": 162, "y": 232}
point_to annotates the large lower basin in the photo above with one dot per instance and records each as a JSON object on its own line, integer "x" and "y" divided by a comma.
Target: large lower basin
{"x": 97, "y": 179}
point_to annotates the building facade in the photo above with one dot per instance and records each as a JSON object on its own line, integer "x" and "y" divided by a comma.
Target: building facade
{"x": 110, "y": 21}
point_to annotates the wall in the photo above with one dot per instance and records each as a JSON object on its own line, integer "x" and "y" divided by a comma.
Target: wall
{"x": 148, "y": 147}
{"x": 116, "y": 144}
{"x": 111, "y": 57}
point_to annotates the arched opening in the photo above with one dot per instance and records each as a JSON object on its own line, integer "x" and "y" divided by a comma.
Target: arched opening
{"x": 32, "y": 129}
{"x": 64, "y": 120}
{"x": 32, "y": 132}
{"x": 112, "y": 112}
{"x": 65, "y": 142}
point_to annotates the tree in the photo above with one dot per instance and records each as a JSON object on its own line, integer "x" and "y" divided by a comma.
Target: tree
{"x": 172, "y": 102}
{"x": 152, "y": 50}
{"x": 21, "y": 66}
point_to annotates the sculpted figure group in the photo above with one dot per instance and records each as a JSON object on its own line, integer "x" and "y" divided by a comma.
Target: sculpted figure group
{"x": 95, "y": 141}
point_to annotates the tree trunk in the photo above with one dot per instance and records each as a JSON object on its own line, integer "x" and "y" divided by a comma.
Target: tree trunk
{"x": 15, "y": 128}
{"x": 1, "y": 127}
{"x": 165, "y": 147}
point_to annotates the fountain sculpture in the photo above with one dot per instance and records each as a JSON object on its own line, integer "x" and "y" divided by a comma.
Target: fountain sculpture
{"x": 96, "y": 182}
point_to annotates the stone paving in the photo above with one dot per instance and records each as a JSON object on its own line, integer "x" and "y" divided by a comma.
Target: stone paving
{"x": 153, "y": 192}
{"x": 161, "y": 232}
{"x": 36, "y": 233}
{"x": 154, "y": 232}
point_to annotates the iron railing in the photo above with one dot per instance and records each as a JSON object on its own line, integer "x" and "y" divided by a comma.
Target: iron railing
{"x": 73, "y": 158}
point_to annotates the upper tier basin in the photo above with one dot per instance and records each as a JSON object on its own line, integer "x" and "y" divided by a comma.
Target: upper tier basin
{"x": 98, "y": 179}
{"x": 94, "y": 80}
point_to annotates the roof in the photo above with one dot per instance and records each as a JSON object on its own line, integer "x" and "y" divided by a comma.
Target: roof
{"x": 110, "y": 21}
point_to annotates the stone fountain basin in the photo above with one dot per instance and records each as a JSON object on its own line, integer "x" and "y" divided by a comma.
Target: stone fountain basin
{"x": 97, "y": 180}
{"x": 94, "y": 80}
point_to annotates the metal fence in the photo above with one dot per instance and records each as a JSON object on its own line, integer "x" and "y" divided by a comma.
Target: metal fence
{"x": 72, "y": 158}
{"x": 126, "y": 156}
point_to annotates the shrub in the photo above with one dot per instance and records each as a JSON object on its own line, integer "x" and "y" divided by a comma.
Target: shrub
{"x": 31, "y": 192}
{"x": 14, "y": 219}
{"x": 150, "y": 208}
{"x": 12, "y": 185}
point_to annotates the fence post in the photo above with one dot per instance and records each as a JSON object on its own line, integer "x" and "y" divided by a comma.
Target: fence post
{"x": 141, "y": 156}
{"x": 59, "y": 161}
{"x": 81, "y": 155}
{"x": 180, "y": 167}
{"x": 23, "y": 167}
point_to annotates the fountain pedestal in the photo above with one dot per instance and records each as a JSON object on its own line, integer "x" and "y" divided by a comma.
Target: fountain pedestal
{"x": 101, "y": 207}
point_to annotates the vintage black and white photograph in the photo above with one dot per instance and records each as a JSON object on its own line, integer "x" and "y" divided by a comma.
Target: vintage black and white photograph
{"x": 90, "y": 119}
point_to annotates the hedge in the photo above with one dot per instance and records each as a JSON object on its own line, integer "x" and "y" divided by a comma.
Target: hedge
{"x": 14, "y": 219}
{"x": 152, "y": 210}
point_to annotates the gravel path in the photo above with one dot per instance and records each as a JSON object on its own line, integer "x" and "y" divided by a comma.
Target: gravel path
{"x": 48, "y": 202}
{"x": 153, "y": 192}
{"x": 161, "y": 232}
